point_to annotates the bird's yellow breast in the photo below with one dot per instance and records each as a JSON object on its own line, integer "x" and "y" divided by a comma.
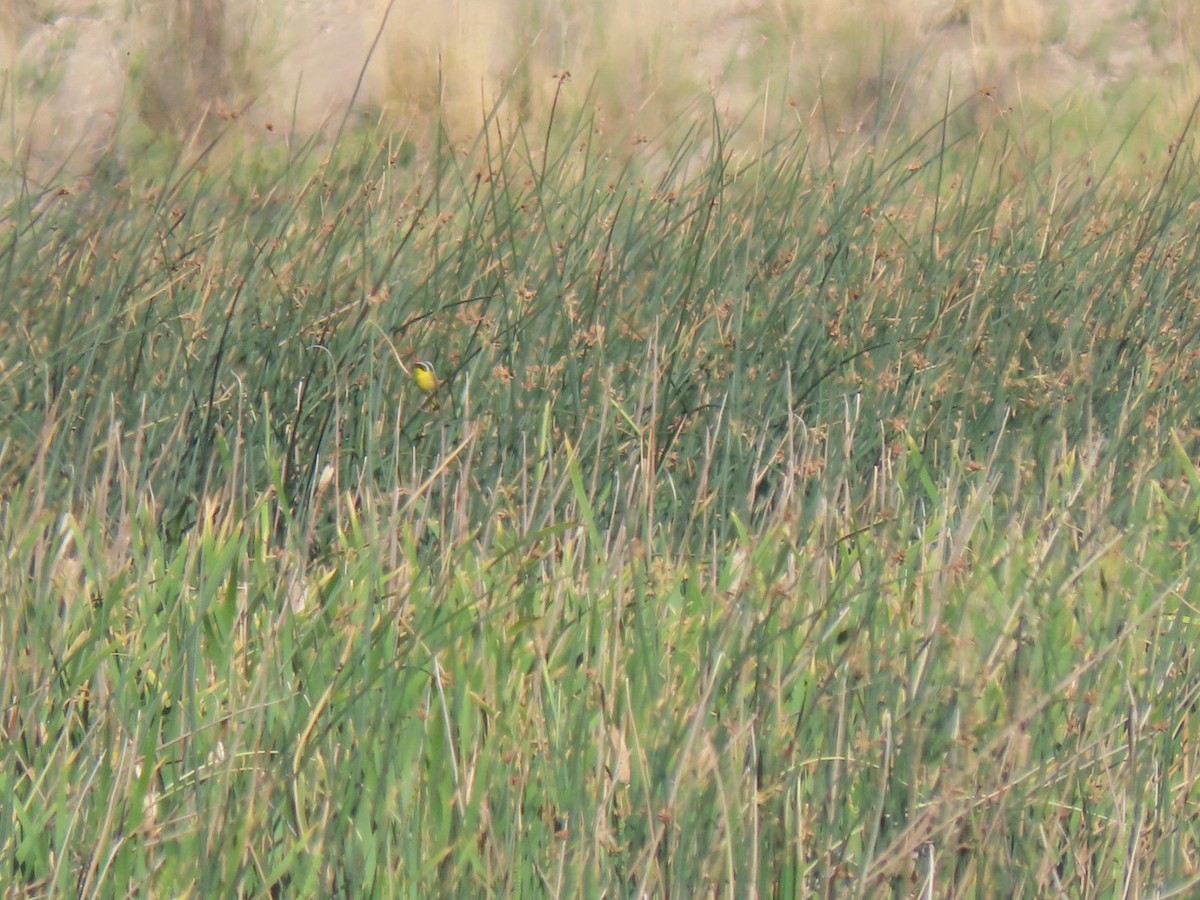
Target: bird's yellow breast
{"x": 425, "y": 377}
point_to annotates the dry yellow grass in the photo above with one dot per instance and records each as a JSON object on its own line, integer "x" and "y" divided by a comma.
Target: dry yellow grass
{"x": 285, "y": 69}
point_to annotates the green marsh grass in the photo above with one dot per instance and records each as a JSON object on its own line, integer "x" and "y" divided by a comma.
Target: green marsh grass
{"x": 785, "y": 525}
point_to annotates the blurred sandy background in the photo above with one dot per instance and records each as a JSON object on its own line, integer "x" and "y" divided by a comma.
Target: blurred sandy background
{"x": 81, "y": 79}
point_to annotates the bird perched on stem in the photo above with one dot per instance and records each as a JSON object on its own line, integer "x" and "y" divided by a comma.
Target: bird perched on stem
{"x": 425, "y": 377}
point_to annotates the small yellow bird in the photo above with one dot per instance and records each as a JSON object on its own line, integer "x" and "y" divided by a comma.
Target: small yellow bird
{"x": 425, "y": 377}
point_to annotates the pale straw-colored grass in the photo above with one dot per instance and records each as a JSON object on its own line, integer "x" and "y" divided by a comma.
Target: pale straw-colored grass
{"x": 279, "y": 71}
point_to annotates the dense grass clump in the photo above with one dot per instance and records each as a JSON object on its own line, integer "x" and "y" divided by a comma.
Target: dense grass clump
{"x": 780, "y": 525}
